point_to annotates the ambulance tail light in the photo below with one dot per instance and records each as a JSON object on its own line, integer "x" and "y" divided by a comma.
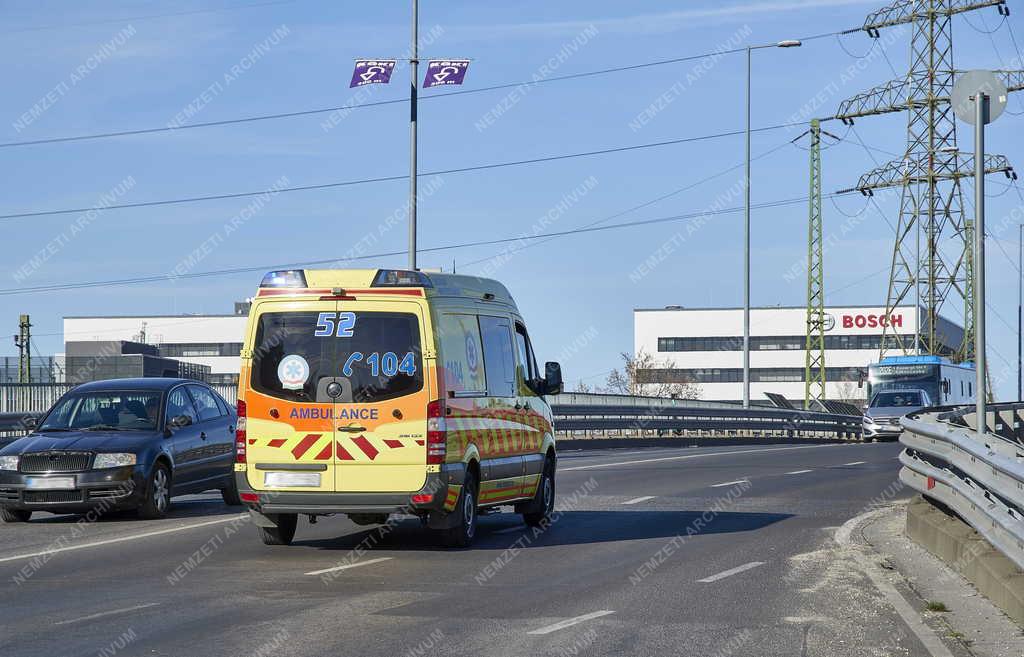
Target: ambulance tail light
{"x": 240, "y": 433}
{"x": 437, "y": 433}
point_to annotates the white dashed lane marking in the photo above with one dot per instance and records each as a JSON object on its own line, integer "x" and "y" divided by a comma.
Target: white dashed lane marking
{"x": 856, "y": 463}
{"x": 101, "y": 614}
{"x": 638, "y": 500}
{"x": 732, "y": 571}
{"x": 347, "y": 566}
{"x": 799, "y": 471}
{"x": 569, "y": 622}
{"x": 730, "y": 483}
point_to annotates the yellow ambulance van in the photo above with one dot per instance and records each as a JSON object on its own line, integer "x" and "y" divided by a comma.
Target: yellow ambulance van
{"x": 375, "y": 392}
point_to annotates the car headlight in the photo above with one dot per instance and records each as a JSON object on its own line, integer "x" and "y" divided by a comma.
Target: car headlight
{"x": 8, "y": 462}
{"x": 113, "y": 460}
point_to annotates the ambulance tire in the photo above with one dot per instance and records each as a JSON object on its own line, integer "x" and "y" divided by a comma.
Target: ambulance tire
{"x": 461, "y": 535}
{"x": 283, "y": 532}
{"x": 544, "y": 500}
{"x": 230, "y": 493}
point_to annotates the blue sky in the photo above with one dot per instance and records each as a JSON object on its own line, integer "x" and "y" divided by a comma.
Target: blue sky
{"x": 161, "y": 60}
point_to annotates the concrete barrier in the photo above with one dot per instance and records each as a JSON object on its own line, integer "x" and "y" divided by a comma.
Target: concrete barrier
{"x": 965, "y": 551}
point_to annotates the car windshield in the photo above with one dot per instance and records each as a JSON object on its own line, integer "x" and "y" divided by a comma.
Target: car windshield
{"x": 897, "y": 398}
{"x": 105, "y": 411}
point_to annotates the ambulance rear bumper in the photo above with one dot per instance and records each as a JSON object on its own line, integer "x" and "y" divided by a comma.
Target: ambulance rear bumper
{"x": 275, "y": 502}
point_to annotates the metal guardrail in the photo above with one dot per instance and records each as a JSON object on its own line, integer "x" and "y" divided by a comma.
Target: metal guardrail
{"x": 713, "y": 421}
{"x": 979, "y": 476}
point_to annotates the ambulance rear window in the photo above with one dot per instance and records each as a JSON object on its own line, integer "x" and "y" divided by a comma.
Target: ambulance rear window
{"x": 373, "y": 355}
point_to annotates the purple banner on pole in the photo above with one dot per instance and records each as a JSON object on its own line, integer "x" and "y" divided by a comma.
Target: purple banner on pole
{"x": 445, "y": 71}
{"x": 372, "y": 71}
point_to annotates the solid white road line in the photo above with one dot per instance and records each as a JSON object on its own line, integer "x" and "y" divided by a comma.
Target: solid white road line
{"x": 799, "y": 471}
{"x": 731, "y": 572}
{"x": 638, "y": 500}
{"x": 107, "y": 613}
{"x": 730, "y": 483}
{"x": 691, "y": 456}
{"x": 925, "y": 634}
{"x": 561, "y": 625}
{"x": 133, "y": 537}
{"x": 349, "y": 565}
{"x": 856, "y": 463}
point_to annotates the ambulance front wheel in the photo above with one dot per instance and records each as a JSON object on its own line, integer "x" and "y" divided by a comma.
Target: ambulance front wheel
{"x": 543, "y": 503}
{"x": 283, "y": 530}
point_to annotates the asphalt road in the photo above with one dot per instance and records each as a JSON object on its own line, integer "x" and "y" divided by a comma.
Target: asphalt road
{"x": 703, "y": 551}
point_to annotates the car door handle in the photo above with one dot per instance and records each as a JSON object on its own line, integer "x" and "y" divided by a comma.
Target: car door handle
{"x": 202, "y": 434}
{"x": 351, "y": 429}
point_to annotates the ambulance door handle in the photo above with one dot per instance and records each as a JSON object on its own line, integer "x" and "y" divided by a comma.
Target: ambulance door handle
{"x": 352, "y": 429}
{"x": 518, "y": 405}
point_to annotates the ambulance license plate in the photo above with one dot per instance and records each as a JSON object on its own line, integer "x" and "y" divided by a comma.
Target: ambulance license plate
{"x": 291, "y": 479}
{"x": 50, "y": 483}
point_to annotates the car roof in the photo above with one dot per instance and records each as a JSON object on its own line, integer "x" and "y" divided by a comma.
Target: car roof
{"x": 142, "y": 383}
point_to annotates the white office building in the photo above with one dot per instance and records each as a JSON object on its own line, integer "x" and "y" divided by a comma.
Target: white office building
{"x": 211, "y": 340}
{"x": 704, "y": 346}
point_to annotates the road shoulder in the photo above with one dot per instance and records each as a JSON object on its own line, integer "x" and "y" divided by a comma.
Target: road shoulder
{"x": 972, "y": 621}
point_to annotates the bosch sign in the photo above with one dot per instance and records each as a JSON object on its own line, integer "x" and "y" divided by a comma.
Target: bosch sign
{"x": 872, "y": 321}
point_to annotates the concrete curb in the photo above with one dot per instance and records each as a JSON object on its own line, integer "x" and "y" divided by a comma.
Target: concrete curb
{"x": 965, "y": 551}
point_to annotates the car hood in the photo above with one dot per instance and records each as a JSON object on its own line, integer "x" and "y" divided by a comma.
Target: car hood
{"x": 886, "y": 412}
{"x": 100, "y": 441}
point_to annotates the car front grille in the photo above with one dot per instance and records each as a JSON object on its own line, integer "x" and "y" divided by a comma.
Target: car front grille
{"x": 51, "y": 496}
{"x": 55, "y": 461}
{"x": 9, "y": 494}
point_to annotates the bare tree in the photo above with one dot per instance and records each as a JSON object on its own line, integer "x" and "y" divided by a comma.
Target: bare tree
{"x": 630, "y": 380}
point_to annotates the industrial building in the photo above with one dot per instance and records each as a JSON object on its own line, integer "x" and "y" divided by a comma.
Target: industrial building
{"x": 704, "y": 346}
{"x": 209, "y": 341}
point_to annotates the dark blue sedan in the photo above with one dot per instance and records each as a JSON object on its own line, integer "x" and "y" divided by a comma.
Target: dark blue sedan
{"x": 121, "y": 444}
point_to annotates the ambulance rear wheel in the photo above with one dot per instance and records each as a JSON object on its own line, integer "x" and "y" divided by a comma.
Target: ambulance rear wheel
{"x": 283, "y": 532}
{"x": 461, "y": 535}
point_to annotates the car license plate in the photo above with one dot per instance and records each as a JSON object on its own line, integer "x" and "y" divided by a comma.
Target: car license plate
{"x": 291, "y": 479}
{"x": 50, "y": 483}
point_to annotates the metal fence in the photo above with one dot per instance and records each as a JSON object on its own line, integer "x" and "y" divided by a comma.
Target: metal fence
{"x": 700, "y": 419}
{"x": 980, "y": 476}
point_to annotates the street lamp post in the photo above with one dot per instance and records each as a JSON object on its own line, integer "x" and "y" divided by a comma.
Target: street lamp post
{"x": 790, "y": 43}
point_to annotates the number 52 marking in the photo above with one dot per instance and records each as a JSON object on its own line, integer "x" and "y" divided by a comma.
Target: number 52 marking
{"x": 326, "y": 325}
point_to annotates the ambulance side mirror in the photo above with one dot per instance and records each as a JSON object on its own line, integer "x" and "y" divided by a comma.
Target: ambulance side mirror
{"x": 552, "y": 378}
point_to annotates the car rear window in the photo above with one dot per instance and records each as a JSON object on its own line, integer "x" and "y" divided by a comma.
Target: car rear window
{"x": 374, "y": 355}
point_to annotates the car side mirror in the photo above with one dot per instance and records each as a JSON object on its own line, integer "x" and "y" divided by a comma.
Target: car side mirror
{"x": 30, "y": 422}
{"x": 552, "y": 378}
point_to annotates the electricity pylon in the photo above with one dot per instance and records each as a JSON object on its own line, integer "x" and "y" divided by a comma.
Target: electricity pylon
{"x": 814, "y": 361}
{"x": 931, "y": 206}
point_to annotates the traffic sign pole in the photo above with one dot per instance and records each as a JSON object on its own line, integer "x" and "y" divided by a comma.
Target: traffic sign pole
{"x": 980, "y": 118}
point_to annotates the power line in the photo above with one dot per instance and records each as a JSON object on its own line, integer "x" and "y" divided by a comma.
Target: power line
{"x": 363, "y": 181}
{"x": 307, "y": 263}
{"x": 352, "y": 106}
{"x": 634, "y": 208}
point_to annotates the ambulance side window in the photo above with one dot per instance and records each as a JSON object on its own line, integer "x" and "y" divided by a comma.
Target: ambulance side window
{"x": 462, "y": 353}
{"x": 499, "y": 363}
{"x": 526, "y": 360}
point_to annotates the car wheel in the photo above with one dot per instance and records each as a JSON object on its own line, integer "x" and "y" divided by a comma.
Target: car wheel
{"x": 544, "y": 499}
{"x": 156, "y": 500}
{"x": 230, "y": 493}
{"x": 462, "y": 534}
{"x": 14, "y": 515}
{"x": 283, "y": 532}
